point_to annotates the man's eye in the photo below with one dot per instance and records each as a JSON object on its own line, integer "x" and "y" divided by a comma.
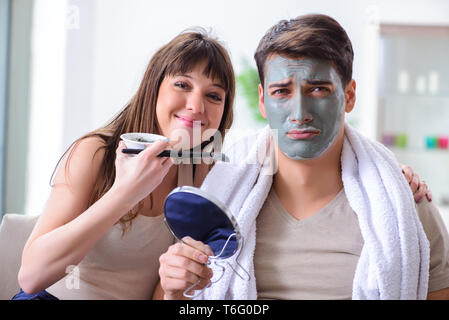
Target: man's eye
{"x": 320, "y": 89}
{"x": 278, "y": 92}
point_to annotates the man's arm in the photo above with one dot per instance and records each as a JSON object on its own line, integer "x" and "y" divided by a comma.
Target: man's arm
{"x": 438, "y": 237}
{"x": 442, "y": 294}
{"x": 158, "y": 292}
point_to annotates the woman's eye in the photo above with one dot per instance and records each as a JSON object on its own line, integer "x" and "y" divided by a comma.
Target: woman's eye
{"x": 181, "y": 85}
{"x": 215, "y": 97}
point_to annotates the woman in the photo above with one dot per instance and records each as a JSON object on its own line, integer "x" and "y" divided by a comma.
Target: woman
{"x": 103, "y": 221}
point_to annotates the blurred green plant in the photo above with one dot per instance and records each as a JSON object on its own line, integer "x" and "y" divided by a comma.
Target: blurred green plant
{"x": 247, "y": 83}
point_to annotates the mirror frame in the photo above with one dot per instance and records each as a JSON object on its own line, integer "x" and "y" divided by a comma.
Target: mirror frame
{"x": 218, "y": 203}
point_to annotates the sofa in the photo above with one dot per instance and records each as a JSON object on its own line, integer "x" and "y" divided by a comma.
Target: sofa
{"x": 14, "y": 232}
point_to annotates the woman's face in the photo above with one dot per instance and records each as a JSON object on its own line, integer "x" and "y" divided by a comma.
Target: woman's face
{"x": 189, "y": 107}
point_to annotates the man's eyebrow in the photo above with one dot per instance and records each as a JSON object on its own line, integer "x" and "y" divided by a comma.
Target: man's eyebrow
{"x": 280, "y": 85}
{"x": 319, "y": 82}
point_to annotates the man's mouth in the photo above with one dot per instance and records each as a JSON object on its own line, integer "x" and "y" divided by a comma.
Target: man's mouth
{"x": 300, "y": 134}
{"x": 188, "y": 122}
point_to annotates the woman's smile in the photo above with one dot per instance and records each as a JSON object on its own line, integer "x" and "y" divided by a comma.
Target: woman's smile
{"x": 188, "y": 121}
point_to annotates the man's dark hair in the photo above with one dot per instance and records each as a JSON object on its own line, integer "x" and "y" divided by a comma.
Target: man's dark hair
{"x": 313, "y": 35}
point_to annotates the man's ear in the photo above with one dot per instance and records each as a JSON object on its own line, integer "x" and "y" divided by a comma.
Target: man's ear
{"x": 261, "y": 102}
{"x": 350, "y": 96}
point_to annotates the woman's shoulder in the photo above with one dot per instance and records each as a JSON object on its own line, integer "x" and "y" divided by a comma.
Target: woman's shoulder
{"x": 83, "y": 160}
{"x": 89, "y": 145}
{"x": 89, "y": 150}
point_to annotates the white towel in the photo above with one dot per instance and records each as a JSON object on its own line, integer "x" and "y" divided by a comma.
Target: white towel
{"x": 394, "y": 261}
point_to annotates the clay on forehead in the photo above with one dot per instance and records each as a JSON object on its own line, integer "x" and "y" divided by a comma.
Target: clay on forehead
{"x": 280, "y": 68}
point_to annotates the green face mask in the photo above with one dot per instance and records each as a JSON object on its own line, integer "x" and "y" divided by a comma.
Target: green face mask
{"x": 305, "y": 101}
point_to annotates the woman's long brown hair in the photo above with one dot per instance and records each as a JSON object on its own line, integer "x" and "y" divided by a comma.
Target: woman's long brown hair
{"x": 180, "y": 55}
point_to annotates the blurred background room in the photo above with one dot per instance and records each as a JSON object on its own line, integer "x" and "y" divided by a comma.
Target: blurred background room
{"x": 67, "y": 66}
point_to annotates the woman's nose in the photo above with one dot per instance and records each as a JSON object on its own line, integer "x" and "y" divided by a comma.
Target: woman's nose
{"x": 195, "y": 102}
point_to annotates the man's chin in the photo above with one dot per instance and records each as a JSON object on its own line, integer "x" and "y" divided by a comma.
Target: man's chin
{"x": 302, "y": 155}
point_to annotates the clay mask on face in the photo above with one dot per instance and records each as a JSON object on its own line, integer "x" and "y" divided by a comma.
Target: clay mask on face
{"x": 305, "y": 101}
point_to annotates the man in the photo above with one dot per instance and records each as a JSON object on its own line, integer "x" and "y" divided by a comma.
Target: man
{"x": 336, "y": 221}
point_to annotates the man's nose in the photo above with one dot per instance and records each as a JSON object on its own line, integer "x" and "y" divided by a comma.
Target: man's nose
{"x": 300, "y": 113}
{"x": 195, "y": 102}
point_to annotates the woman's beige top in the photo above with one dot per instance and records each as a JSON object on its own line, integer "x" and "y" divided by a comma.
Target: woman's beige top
{"x": 122, "y": 267}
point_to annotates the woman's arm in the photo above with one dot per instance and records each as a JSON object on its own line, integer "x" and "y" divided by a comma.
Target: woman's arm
{"x": 67, "y": 229}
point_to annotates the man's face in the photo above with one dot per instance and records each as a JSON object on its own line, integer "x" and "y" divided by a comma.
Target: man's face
{"x": 304, "y": 100}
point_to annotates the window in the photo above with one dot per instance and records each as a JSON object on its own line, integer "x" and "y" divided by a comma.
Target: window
{"x": 4, "y": 49}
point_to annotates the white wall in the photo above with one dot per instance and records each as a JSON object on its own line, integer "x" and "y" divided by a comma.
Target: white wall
{"x": 108, "y": 53}
{"x": 48, "y": 75}
{"x": 128, "y": 32}
{"x": 78, "y": 87}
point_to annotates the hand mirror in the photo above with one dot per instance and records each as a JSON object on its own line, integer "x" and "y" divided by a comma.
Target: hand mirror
{"x": 190, "y": 211}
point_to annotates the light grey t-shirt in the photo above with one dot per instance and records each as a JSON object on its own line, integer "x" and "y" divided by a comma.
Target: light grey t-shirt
{"x": 316, "y": 257}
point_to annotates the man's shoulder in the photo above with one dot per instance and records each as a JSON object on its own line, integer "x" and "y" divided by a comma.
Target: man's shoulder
{"x": 430, "y": 215}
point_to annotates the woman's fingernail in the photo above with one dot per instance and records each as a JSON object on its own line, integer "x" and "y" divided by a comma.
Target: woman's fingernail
{"x": 418, "y": 200}
{"x": 203, "y": 258}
